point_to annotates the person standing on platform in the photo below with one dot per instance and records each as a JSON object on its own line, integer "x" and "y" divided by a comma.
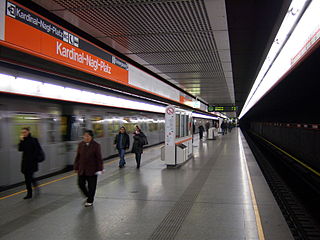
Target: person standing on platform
{"x": 207, "y": 126}
{"x": 229, "y": 126}
{"x": 88, "y": 164}
{"x": 122, "y": 142}
{"x": 30, "y": 148}
{"x": 223, "y": 127}
{"x": 201, "y": 130}
{"x": 139, "y": 139}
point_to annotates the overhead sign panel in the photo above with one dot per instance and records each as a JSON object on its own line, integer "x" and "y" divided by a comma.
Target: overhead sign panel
{"x": 26, "y": 31}
{"x": 222, "y": 109}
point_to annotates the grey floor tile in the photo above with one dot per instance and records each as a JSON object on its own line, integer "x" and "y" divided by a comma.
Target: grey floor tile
{"x": 131, "y": 203}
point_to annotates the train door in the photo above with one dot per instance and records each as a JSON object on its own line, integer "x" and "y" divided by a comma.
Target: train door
{"x": 98, "y": 127}
{"x": 4, "y": 150}
{"x": 52, "y": 144}
{"x": 76, "y": 125}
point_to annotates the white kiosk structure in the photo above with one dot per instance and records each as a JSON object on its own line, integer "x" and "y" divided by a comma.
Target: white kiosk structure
{"x": 178, "y": 136}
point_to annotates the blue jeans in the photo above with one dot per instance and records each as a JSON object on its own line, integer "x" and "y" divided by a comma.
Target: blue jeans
{"x": 121, "y": 154}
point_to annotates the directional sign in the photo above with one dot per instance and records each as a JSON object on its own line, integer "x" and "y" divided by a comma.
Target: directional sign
{"x": 222, "y": 108}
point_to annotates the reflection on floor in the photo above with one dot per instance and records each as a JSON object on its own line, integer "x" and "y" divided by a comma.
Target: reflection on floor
{"x": 207, "y": 198}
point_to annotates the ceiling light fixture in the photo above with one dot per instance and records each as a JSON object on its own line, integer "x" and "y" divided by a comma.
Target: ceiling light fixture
{"x": 300, "y": 21}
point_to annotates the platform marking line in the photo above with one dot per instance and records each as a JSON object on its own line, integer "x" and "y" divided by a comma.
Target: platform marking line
{"x": 65, "y": 177}
{"x": 289, "y": 155}
{"x": 253, "y": 197}
{"x": 50, "y": 182}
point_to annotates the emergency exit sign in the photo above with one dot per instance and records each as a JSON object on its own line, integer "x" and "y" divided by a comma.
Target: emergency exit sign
{"x": 222, "y": 108}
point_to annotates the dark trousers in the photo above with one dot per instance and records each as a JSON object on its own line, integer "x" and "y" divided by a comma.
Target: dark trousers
{"x": 29, "y": 180}
{"x": 89, "y": 191}
{"x": 138, "y": 158}
{"x": 201, "y": 135}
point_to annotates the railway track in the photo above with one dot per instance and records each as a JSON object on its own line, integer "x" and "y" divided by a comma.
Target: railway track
{"x": 295, "y": 190}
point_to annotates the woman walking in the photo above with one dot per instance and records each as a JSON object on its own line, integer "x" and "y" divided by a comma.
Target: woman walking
{"x": 88, "y": 164}
{"x": 139, "y": 139}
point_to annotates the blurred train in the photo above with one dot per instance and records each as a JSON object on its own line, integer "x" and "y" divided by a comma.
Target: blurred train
{"x": 58, "y": 110}
{"x": 59, "y": 127}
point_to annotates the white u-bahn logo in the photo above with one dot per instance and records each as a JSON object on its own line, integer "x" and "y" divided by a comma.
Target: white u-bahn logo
{"x": 11, "y": 9}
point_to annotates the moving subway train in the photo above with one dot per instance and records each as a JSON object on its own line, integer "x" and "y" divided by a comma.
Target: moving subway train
{"x": 59, "y": 127}
{"x": 58, "y": 110}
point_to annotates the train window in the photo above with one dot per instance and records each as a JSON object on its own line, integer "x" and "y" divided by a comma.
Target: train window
{"x": 64, "y": 127}
{"x": 78, "y": 126}
{"x": 177, "y": 125}
{"x": 153, "y": 126}
{"x": 97, "y": 126}
{"x": 129, "y": 127}
{"x": 186, "y": 129}
{"x": 181, "y": 125}
{"x": 129, "y": 124}
{"x": 25, "y": 120}
{"x": 162, "y": 128}
{"x": 116, "y": 126}
{"x": 52, "y": 129}
{"x": 110, "y": 127}
{"x": 187, "y": 125}
{"x": 144, "y": 126}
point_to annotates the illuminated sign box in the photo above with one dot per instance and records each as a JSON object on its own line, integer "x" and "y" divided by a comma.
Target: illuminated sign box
{"x": 27, "y": 31}
{"x": 222, "y": 109}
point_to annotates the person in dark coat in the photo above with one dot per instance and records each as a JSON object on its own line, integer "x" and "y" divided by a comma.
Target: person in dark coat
{"x": 122, "y": 142}
{"x": 29, "y": 165}
{"x": 224, "y": 127}
{"x": 201, "y": 130}
{"x": 88, "y": 164}
{"x": 207, "y": 126}
{"x": 230, "y": 125}
{"x": 138, "y": 142}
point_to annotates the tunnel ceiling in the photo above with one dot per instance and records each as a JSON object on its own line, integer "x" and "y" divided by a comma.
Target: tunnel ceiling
{"x": 184, "y": 41}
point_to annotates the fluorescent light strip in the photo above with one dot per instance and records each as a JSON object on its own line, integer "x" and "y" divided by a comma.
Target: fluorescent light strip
{"x": 198, "y": 115}
{"x": 193, "y": 114}
{"x": 34, "y": 88}
{"x": 273, "y": 69}
{"x": 30, "y": 87}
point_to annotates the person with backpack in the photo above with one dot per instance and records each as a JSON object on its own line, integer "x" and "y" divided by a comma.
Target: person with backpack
{"x": 139, "y": 140}
{"x": 88, "y": 164}
{"x": 122, "y": 142}
{"x": 32, "y": 153}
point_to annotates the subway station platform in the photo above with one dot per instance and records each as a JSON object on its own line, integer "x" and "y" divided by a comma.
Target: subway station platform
{"x": 219, "y": 194}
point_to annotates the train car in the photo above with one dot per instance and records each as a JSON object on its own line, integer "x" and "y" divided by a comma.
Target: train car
{"x": 58, "y": 111}
{"x": 59, "y": 128}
